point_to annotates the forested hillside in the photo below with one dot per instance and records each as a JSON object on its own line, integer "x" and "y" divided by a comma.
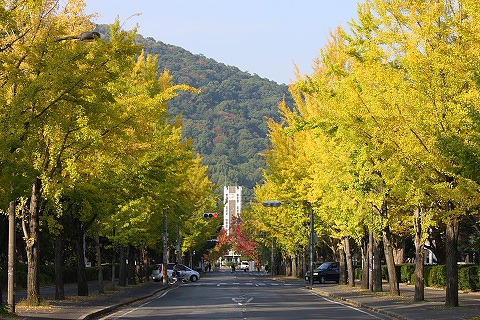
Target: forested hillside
{"x": 227, "y": 120}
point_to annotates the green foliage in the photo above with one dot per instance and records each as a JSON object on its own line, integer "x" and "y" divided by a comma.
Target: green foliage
{"x": 469, "y": 278}
{"x": 407, "y": 273}
{"x": 386, "y": 124}
{"x": 227, "y": 119}
{"x": 435, "y": 276}
{"x": 90, "y": 121}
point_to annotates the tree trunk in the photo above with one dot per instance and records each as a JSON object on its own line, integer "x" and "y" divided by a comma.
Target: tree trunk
{"x": 398, "y": 249}
{"x": 145, "y": 264}
{"x": 343, "y": 265}
{"x": 122, "y": 275}
{"x": 32, "y": 245}
{"x": 370, "y": 261}
{"x": 138, "y": 265}
{"x": 59, "y": 281}
{"x": 131, "y": 265}
{"x": 365, "y": 264}
{"x": 114, "y": 275}
{"x": 348, "y": 257}
{"x": 82, "y": 284}
{"x": 304, "y": 262}
{"x": 419, "y": 256}
{"x": 293, "y": 262}
{"x": 451, "y": 240}
{"x": 392, "y": 272}
{"x": 101, "y": 287}
{"x": 376, "y": 266}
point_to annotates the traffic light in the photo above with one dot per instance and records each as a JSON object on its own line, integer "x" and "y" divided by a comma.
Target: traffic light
{"x": 210, "y": 215}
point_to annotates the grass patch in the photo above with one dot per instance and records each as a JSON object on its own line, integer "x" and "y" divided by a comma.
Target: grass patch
{"x": 4, "y": 313}
{"x": 43, "y": 304}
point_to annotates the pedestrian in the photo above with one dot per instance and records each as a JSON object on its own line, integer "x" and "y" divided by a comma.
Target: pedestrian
{"x": 233, "y": 267}
{"x": 175, "y": 271}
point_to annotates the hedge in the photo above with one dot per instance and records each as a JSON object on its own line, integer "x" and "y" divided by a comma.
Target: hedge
{"x": 435, "y": 275}
{"x": 47, "y": 275}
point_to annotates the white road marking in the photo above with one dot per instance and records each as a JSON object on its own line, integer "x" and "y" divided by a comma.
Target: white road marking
{"x": 347, "y": 306}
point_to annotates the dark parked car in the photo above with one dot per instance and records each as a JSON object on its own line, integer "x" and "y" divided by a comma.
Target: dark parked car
{"x": 327, "y": 271}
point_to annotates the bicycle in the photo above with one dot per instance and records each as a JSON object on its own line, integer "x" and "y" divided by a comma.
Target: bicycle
{"x": 174, "y": 278}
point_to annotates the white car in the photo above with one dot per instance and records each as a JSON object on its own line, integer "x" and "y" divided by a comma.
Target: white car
{"x": 190, "y": 274}
{"x": 244, "y": 265}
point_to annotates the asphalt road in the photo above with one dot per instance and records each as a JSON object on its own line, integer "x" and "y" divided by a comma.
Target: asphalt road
{"x": 242, "y": 295}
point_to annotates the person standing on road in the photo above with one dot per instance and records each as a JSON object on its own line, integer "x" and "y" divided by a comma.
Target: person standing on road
{"x": 233, "y": 267}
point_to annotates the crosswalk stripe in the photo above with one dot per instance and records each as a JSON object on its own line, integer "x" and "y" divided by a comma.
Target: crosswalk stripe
{"x": 258, "y": 284}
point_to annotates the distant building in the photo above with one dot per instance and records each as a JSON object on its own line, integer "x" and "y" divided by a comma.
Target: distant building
{"x": 232, "y": 198}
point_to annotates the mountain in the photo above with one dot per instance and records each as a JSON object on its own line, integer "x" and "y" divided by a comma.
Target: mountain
{"x": 228, "y": 119}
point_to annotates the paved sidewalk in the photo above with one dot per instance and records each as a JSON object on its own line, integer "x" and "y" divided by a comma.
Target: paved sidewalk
{"x": 399, "y": 307}
{"x": 404, "y": 307}
{"x": 91, "y": 307}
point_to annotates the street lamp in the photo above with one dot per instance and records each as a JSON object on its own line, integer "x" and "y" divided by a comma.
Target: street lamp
{"x": 11, "y": 287}
{"x": 272, "y": 204}
{"x": 84, "y": 36}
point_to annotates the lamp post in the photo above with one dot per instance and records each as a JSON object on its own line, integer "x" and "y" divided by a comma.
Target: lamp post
{"x": 272, "y": 204}
{"x": 84, "y": 36}
{"x": 11, "y": 285}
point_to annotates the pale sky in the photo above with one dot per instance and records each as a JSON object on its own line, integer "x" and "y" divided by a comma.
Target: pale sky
{"x": 263, "y": 37}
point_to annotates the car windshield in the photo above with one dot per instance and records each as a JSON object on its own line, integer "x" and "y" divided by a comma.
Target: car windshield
{"x": 324, "y": 266}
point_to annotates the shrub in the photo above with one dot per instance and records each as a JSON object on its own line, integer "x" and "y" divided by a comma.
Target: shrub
{"x": 407, "y": 273}
{"x": 469, "y": 278}
{"x": 358, "y": 273}
{"x": 435, "y": 276}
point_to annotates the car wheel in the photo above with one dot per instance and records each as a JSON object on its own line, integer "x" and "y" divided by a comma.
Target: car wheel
{"x": 322, "y": 279}
{"x": 193, "y": 278}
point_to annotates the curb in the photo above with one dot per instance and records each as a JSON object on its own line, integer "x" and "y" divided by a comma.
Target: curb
{"x": 109, "y": 309}
{"x": 358, "y": 304}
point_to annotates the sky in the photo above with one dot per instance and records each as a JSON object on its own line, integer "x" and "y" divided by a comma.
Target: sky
{"x": 269, "y": 38}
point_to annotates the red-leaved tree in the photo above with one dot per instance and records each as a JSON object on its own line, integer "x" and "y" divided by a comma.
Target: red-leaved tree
{"x": 241, "y": 241}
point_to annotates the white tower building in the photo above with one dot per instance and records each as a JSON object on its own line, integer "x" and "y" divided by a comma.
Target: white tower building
{"x": 232, "y": 198}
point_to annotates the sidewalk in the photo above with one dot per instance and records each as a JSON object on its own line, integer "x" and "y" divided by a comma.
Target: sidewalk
{"x": 91, "y": 307}
{"x": 399, "y": 307}
{"x": 404, "y": 307}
